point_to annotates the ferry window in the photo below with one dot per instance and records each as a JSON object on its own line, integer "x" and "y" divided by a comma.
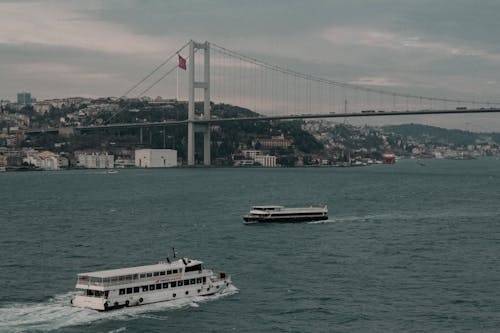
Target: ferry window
{"x": 158, "y": 286}
{"x": 114, "y": 279}
{"x": 135, "y": 276}
{"x": 136, "y": 289}
{"x": 180, "y": 270}
{"x": 129, "y": 290}
{"x": 150, "y": 274}
{"x": 198, "y": 280}
{"x": 193, "y": 281}
{"x": 151, "y": 287}
{"x": 128, "y": 277}
{"x": 122, "y": 291}
{"x": 106, "y": 293}
{"x": 165, "y": 285}
{"x": 169, "y": 272}
{"x": 90, "y": 292}
{"x": 179, "y": 283}
{"x": 187, "y": 292}
{"x": 162, "y": 273}
{"x": 173, "y": 284}
{"x": 121, "y": 278}
{"x": 193, "y": 268}
{"x": 156, "y": 273}
{"x": 174, "y": 295}
{"x": 174, "y": 271}
{"x": 186, "y": 282}
{"x": 144, "y": 288}
{"x": 143, "y": 276}
{"x": 204, "y": 279}
{"x": 105, "y": 280}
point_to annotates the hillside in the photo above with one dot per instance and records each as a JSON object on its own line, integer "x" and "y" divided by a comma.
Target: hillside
{"x": 440, "y": 136}
{"x": 227, "y": 138}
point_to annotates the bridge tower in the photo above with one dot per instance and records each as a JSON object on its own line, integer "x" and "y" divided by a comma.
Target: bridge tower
{"x": 192, "y": 85}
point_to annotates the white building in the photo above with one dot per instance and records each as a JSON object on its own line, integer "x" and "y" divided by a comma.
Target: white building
{"x": 46, "y": 160}
{"x": 121, "y": 163}
{"x": 155, "y": 158}
{"x": 267, "y": 161}
{"x": 42, "y": 107}
{"x": 251, "y": 156}
{"x": 251, "y": 153}
{"x": 96, "y": 161}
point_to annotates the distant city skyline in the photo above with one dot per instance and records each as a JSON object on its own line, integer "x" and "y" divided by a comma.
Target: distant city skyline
{"x": 55, "y": 49}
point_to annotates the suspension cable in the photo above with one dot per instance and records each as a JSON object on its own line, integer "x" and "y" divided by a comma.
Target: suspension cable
{"x": 155, "y": 70}
{"x": 310, "y": 77}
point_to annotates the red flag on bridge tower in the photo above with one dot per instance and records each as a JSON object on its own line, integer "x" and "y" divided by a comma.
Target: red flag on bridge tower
{"x": 182, "y": 62}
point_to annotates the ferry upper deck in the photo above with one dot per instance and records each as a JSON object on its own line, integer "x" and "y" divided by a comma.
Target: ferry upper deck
{"x": 101, "y": 280}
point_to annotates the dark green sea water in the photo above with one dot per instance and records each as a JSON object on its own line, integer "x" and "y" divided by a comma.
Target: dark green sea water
{"x": 408, "y": 248}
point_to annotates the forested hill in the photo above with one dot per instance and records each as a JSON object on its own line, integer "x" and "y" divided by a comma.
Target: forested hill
{"x": 232, "y": 136}
{"x": 438, "y": 135}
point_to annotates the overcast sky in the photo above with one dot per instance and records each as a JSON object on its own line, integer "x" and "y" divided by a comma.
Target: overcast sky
{"x": 442, "y": 48}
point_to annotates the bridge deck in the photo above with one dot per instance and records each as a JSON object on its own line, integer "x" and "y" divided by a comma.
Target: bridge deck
{"x": 268, "y": 118}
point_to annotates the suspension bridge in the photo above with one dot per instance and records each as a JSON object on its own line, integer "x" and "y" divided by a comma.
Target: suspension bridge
{"x": 271, "y": 91}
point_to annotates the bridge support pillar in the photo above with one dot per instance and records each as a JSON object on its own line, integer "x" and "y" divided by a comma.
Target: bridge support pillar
{"x": 190, "y": 147}
{"x": 192, "y": 85}
{"x": 206, "y": 146}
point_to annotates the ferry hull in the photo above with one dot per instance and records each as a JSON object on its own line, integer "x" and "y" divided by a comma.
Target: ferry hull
{"x": 102, "y": 304}
{"x": 95, "y": 303}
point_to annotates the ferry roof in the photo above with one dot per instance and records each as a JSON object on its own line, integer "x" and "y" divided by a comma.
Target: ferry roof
{"x": 290, "y": 210}
{"x": 267, "y": 207}
{"x": 142, "y": 269}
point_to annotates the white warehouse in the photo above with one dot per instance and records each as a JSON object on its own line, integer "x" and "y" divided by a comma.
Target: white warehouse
{"x": 96, "y": 161}
{"x": 155, "y": 158}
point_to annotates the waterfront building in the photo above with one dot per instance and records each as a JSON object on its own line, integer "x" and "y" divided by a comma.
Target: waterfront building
{"x": 251, "y": 153}
{"x": 124, "y": 163}
{"x": 155, "y": 158}
{"x": 46, "y": 160}
{"x": 96, "y": 161}
{"x": 3, "y": 158}
{"x": 267, "y": 161}
{"x": 250, "y": 157}
{"x": 388, "y": 158}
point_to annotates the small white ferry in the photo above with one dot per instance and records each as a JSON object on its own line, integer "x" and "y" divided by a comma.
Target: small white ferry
{"x": 281, "y": 214}
{"x": 165, "y": 281}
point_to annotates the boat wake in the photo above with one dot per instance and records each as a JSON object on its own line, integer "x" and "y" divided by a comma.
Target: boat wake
{"x": 410, "y": 216}
{"x": 58, "y": 312}
{"x": 321, "y": 222}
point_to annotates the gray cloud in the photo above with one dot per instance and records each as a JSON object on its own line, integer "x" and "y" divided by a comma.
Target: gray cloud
{"x": 431, "y": 47}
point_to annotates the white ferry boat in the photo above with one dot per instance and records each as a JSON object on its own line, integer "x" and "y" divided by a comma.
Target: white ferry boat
{"x": 165, "y": 281}
{"x": 281, "y": 214}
